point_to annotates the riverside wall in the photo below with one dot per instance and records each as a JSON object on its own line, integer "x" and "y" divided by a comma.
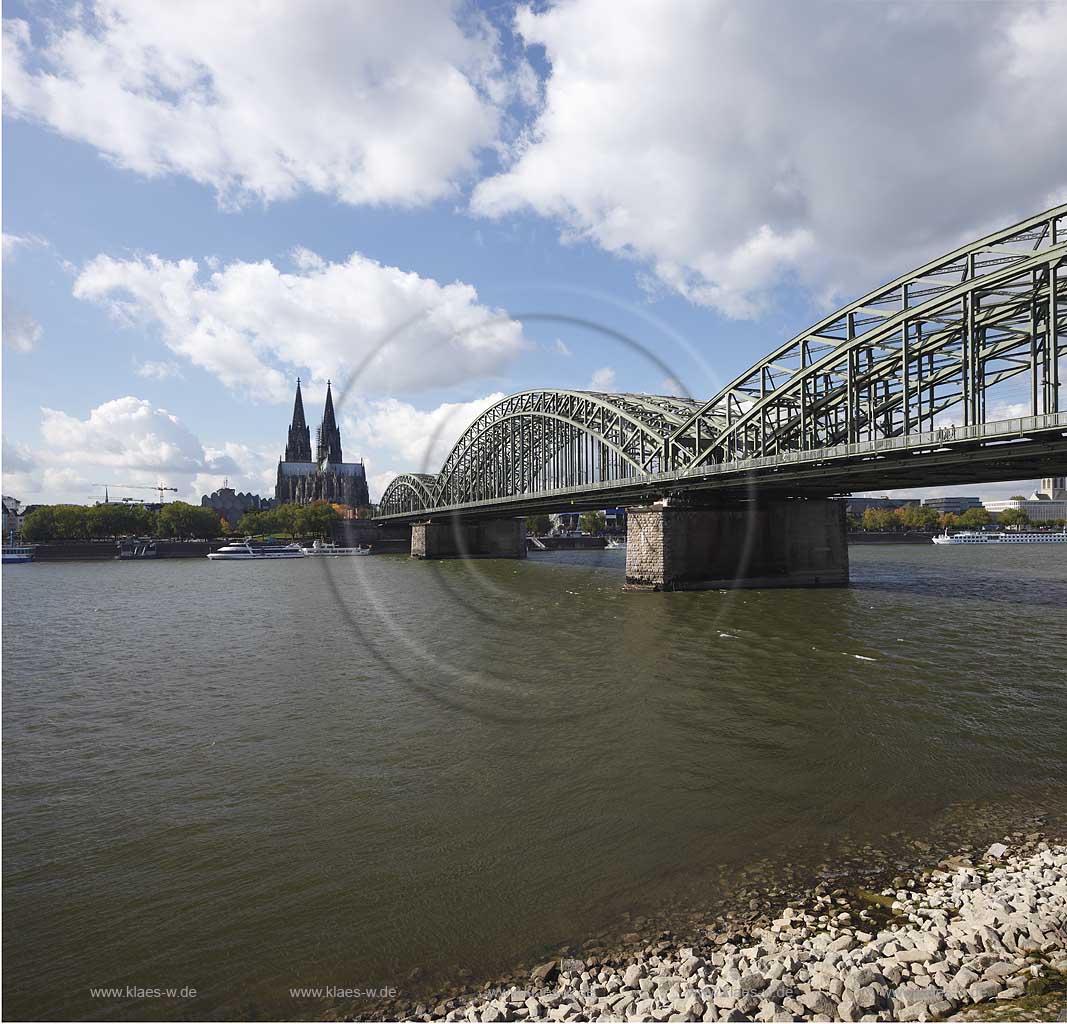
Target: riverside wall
{"x": 897, "y": 537}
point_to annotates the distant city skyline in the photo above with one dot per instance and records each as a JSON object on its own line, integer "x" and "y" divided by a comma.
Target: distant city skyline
{"x": 483, "y": 203}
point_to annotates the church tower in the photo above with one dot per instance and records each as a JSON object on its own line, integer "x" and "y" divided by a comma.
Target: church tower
{"x": 304, "y": 477}
{"x": 298, "y": 449}
{"x": 329, "y": 439}
{"x": 1055, "y": 487}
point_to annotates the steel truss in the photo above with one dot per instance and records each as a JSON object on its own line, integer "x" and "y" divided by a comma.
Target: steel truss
{"x": 934, "y": 346}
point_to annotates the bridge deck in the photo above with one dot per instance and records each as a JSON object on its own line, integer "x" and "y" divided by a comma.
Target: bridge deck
{"x": 1019, "y": 448}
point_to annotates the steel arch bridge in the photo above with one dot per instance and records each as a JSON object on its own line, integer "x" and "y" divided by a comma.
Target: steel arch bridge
{"x": 950, "y": 372}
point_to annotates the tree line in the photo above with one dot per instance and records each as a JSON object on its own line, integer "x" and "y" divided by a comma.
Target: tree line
{"x": 175, "y": 519}
{"x": 922, "y": 517}
{"x": 314, "y": 520}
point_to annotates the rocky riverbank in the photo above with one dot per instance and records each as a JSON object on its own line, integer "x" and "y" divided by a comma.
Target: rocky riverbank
{"x": 974, "y": 939}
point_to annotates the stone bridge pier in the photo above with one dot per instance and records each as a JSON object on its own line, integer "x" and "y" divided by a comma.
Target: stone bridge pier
{"x": 762, "y": 543}
{"x": 450, "y": 537}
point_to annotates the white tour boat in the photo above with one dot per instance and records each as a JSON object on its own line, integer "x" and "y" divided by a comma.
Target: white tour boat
{"x": 978, "y": 537}
{"x": 17, "y": 553}
{"x": 614, "y": 542}
{"x": 246, "y": 549}
{"x": 329, "y": 548}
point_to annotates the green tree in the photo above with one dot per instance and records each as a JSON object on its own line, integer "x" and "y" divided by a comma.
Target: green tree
{"x": 852, "y": 521}
{"x": 182, "y": 520}
{"x": 254, "y": 523}
{"x": 71, "y": 522}
{"x": 1017, "y": 497}
{"x": 1013, "y": 517}
{"x": 917, "y": 517}
{"x": 119, "y": 520}
{"x": 975, "y": 518}
{"x": 949, "y": 520}
{"x": 143, "y": 521}
{"x": 40, "y": 524}
{"x": 929, "y": 518}
{"x": 538, "y": 526}
{"x": 879, "y": 518}
{"x": 317, "y": 519}
{"x": 288, "y": 519}
{"x": 592, "y": 522}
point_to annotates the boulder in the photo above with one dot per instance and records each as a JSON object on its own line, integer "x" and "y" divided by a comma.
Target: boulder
{"x": 546, "y": 973}
{"x": 983, "y": 990}
{"x": 632, "y": 976}
{"x": 820, "y": 1004}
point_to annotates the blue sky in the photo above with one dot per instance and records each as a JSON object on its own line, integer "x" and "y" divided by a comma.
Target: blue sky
{"x": 199, "y": 206}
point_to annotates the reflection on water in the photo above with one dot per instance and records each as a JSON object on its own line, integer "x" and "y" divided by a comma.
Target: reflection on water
{"x": 246, "y": 777}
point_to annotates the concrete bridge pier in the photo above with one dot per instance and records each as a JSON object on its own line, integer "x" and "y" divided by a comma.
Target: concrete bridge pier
{"x": 447, "y": 537}
{"x": 782, "y": 543}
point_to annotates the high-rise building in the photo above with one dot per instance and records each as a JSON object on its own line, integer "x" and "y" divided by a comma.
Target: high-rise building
{"x": 324, "y": 476}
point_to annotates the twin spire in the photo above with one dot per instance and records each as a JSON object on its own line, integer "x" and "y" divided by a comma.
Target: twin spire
{"x": 328, "y": 436}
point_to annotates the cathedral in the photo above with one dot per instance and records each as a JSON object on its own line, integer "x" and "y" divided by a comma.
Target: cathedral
{"x": 304, "y": 477}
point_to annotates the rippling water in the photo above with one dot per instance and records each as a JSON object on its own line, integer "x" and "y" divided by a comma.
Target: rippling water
{"x": 244, "y": 778}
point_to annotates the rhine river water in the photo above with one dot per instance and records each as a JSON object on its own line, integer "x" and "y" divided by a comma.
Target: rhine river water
{"x": 244, "y": 778}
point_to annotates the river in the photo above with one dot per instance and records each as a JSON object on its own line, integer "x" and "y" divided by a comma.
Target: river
{"x": 244, "y": 778}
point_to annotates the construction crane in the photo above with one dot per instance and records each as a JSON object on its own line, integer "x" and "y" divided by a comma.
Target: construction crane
{"x": 138, "y": 487}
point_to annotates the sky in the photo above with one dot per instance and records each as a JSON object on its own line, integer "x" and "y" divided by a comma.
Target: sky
{"x": 434, "y": 205}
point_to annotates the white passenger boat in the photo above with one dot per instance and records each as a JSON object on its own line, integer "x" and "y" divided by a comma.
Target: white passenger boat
{"x": 329, "y": 548}
{"x": 246, "y": 550}
{"x": 17, "y": 553}
{"x": 978, "y": 537}
{"x": 614, "y": 542}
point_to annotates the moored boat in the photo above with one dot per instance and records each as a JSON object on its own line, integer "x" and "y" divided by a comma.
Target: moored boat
{"x": 979, "y": 537}
{"x": 17, "y": 553}
{"x": 329, "y": 548}
{"x": 247, "y": 550}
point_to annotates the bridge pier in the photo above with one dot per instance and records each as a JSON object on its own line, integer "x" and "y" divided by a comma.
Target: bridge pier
{"x": 795, "y": 543}
{"x": 454, "y": 538}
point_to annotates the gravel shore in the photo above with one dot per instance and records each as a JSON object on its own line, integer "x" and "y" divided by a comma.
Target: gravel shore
{"x": 974, "y": 940}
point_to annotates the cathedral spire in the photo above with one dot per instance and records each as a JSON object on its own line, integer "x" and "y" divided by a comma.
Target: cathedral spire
{"x": 329, "y": 434}
{"x": 299, "y": 447}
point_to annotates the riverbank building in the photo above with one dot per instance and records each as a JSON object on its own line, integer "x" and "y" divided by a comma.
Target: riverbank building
{"x": 305, "y": 475}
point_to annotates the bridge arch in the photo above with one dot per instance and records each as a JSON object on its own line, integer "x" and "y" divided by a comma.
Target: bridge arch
{"x": 545, "y": 439}
{"x": 408, "y": 492}
{"x": 944, "y": 340}
{"x": 947, "y": 335}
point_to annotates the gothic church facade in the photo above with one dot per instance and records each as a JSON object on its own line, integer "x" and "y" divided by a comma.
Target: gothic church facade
{"x": 323, "y": 475}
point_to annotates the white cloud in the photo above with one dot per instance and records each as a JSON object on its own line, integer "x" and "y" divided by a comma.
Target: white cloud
{"x": 254, "y": 325}
{"x": 388, "y": 432}
{"x": 735, "y": 147}
{"x": 157, "y": 370}
{"x": 12, "y": 243}
{"x": 17, "y": 457}
{"x": 262, "y": 99}
{"x": 561, "y": 348}
{"x": 21, "y": 331}
{"x": 127, "y": 441}
{"x": 602, "y": 379}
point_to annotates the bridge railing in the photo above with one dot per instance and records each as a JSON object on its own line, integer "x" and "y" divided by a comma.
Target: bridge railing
{"x": 942, "y": 437}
